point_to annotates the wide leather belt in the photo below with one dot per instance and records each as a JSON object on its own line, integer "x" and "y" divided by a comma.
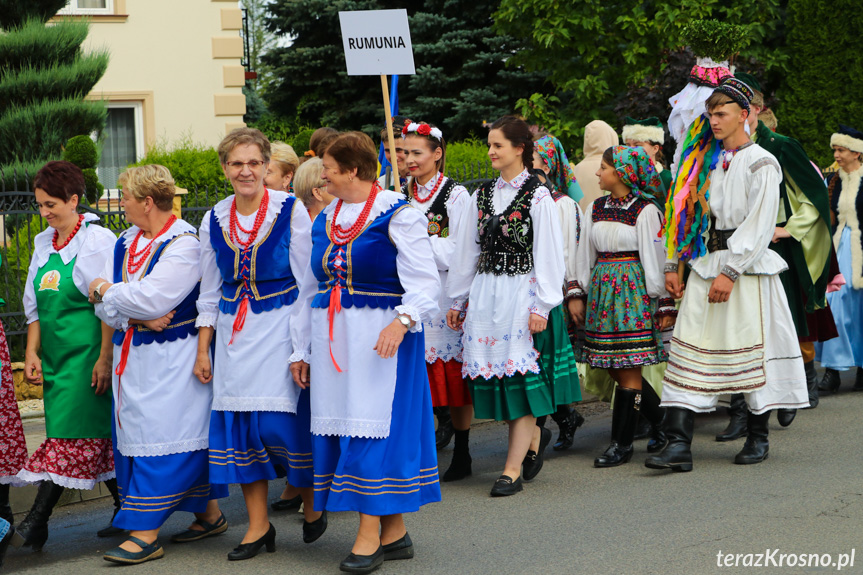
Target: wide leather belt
{"x": 718, "y": 239}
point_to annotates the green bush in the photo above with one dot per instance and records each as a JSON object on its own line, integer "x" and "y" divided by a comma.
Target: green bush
{"x": 193, "y": 165}
{"x": 468, "y": 160}
{"x": 714, "y": 39}
{"x": 81, "y": 151}
{"x": 275, "y": 128}
{"x": 93, "y": 186}
{"x": 300, "y": 143}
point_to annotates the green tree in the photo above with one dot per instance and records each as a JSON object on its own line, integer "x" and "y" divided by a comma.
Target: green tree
{"x": 461, "y": 78}
{"x": 825, "y": 88}
{"x": 44, "y": 77}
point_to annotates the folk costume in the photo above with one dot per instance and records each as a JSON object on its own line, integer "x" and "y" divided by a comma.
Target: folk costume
{"x": 161, "y": 411}
{"x": 619, "y": 264}
{"x": 561, "y": 171}
{"x": 259, "y": 428}
{"x": 747, "y": 344}
{"x": 846, "y": 208}
{"x": 371, "y": 420}
{"x": 77, "y": 452}
{"x": 510, "y": 264}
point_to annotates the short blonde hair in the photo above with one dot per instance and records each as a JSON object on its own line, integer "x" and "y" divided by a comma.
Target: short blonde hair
{"x": 307, "y": 178}
{"x": 150, "y": 181}
{"x": 769, "y": 119}
{"x": 242, "y": 136}
{"x": 285, "y": 156}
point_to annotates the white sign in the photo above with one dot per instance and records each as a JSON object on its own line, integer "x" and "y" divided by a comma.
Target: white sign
{"x": 377, "y": 42}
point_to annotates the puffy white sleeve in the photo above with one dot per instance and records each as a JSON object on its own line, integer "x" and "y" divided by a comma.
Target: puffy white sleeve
{"x": 586, "y": 256}
{"x": 29, "y": 300}
{"x": 548, "y": 261}
{"x": 462, "y": 268}
{"x": 97, "y": 248}
{"x": 211, "y": 279}
{"x": 117, "y": 321}
{"x": 173, "y": 277}
{"x": 647, "y": 228}
{"x": 300, "y": 254}
{"x": 416, "y": 267}
{"x": 570, "y": 226}
{"x": 752, "y": 238}
{"x": 444, "y": 248}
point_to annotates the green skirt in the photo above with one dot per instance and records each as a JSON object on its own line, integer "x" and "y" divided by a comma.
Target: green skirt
{"x": 536, "y": 394}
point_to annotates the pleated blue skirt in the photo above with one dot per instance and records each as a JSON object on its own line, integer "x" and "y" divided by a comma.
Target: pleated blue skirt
{"x": 247, "y": 446}
{"x": 151, "y": 488}
{"x": 396, "y": 474}
{"x": 845, "y": 351}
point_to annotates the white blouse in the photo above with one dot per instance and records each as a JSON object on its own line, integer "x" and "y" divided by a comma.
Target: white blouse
{"x": 571, "y": 225}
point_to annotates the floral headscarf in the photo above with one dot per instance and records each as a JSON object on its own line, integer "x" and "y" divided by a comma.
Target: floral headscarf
{"x": 637, "y": 171}
{"x": 561, "y": 175}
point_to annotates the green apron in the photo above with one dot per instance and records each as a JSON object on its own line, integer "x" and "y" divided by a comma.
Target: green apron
{"x": 71, "y": 339}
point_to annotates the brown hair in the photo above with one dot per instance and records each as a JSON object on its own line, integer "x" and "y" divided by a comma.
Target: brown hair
{"x": 355, "y": 150}
{"x": 242, "y": 136}
{"x": 321, "y": 138}
{"x": 518, "y": 133}
{"x": 608, "y": 156}
{"x": 307, "y": 178}
{"x": 153, "y": 181}
{"x": 434, "y": 144}
{"x": 60, "y": 180}
{"x": 717, "y": 99}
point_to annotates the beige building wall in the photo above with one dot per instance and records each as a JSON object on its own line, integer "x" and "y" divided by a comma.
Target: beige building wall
{"x": 180, "y": 59}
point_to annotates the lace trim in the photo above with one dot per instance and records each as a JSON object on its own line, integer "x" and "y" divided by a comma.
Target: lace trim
{"x": 28, "y": 477}
{"x": 207, "y": 320}
{"x": 177, "y": 228}
{"x": 305, "y": 356}
{"x": 457, "y": 305}
{"x": 414, "y": 314}
{"x": 280, "y": 404}
{"x": 539, "y": 312}
{"x": 153, "y": 450}
{"x": 13, "y": 481}
{"x": 222, "y": 211}
{"x": 506, "y": 368}
{"x": 346, "y": 428}
{"x": 383, "y": 202}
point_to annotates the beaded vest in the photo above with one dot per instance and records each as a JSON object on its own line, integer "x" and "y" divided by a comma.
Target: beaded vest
{"x": 608, "y": 209}
{"x": 506, "y": 240}
{"x": 437, "y": 214}
{"x": 262, "y": 272}
{"x": 182, "y": 324}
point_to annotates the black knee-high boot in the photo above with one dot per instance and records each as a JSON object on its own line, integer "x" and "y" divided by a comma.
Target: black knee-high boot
{"x": 460, "y": 466}
{"x": 623, "y": 420}
{"x": 677, "y": 455}
{"x": 445, "y": 430}
{"x": 110, "y": 530}
{"x": 568, "y": 420}
{"x": 737, "y": 424}
{"x": 655, "y": 415}
{"x": 5, "y": 508}
{"x": 756, "y": 446}
{"x": 34, "y": 528}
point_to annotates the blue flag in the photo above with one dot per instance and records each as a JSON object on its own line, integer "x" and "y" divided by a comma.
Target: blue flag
{"x": 394, "y": 110}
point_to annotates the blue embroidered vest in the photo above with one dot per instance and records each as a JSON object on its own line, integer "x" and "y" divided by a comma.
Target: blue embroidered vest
{"x": 182, "y": 324}
{"x": 364, "y": 268}
{"x": 262, "y": 272}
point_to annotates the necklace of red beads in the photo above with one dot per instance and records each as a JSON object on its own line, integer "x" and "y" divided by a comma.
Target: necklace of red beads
{"x": 236, "y": 228}
{"x": 138, "y": 258}
{"x": 343, "y": 236}
{"x": 433, "y": 192}
{"x": 58, "y": 247}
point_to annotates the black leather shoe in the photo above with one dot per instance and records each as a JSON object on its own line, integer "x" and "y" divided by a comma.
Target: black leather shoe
{"x": 313, "y": 531}
{"x": 506, "y": 486}
{"x": 756, "y": 447}
{"x": 533, "y": 461}
{"x": 401, "y": 549}
{"x": 858, "y": 381}
{"x": 207, "y": 530}
{"x": 737, "y": 424}
{"x": 287, "y": 504}
{"x": 34, "y": 528}
{"x": 249, "y": 550}
{"x": 624, "y": 418}
{"x": 614, "y": 455}
{"x": 362, "y": 564}
{"x": 785, "y": 416}
{"x": 830, "y": 382}
{"x": 568, "y": 426}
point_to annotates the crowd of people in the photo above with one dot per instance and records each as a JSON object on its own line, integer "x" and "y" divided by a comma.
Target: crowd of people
{"x": 322, "y": 315}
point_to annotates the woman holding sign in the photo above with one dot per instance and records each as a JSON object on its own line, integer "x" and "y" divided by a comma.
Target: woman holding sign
{"x": 372, "y": 425}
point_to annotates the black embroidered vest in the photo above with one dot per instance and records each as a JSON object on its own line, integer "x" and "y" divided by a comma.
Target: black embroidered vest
{"x": 438, "y": 215}
{"x": 605, "y": 210}
{"x": 506, "y": 240}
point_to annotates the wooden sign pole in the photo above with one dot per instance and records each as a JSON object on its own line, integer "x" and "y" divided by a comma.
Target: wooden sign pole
{"x": 391, "y": 142}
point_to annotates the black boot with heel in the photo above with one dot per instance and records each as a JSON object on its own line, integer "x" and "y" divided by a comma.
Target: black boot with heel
{"x": 34, "y": 528}
{"x": 738, "y": 413}
{"x": 623, "y": 421}
{"x": 677, "y": 455}
{"x": 110, "y": 530}
{"x": 655, "y": 416}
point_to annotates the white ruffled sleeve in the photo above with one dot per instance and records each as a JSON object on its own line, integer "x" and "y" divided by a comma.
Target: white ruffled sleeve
{"x": 211, "y": 279}
{"x": 647, "y": 228}
{"x": 173, "y": 277}
{"x": 444, "y": 248}
{"x": 301, "y": 265}
{"x": 570, "y": 226}
{"x": 462, "y": 268}
{"x": 548, "y": 261}
{"x": 586, "y": 256}
{"x": 96, "y": 250}
{"x": 416, "y": 267}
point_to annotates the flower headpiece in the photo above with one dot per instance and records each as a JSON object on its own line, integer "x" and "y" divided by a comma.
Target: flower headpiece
{"x": 422, "y": 130}
{"x": 637, "y": 171}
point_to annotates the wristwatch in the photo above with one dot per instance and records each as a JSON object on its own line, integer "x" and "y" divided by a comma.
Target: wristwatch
{"x": 404, "y": 320}
{"x": 97, "y": 294}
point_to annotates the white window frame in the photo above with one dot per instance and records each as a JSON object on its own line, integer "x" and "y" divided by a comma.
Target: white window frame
{"x": 138, "y": 108}
{"x": 72, "y": 9}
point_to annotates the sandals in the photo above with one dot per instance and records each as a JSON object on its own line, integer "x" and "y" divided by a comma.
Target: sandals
{"x": 148, "y": 552}
{"x": 189, "y": 535}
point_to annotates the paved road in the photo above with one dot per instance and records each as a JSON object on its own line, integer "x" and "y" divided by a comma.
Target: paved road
{"x": 806, "y": 498}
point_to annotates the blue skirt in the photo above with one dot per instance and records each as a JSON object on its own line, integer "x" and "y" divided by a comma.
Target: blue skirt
{"x": 845, "y": 351}
{"x": 386, "y": 476}
{"x": 151, "y": 488}
{"x": 247, "y": 446}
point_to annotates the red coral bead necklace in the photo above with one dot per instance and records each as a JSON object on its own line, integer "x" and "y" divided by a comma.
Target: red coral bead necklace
{"x": 138, "y": 258}
{"x": 236, "y": 228}
{"x": 433, "y": 192}
{"x": 342, "y": 236}
{"x": 58, "y": 247}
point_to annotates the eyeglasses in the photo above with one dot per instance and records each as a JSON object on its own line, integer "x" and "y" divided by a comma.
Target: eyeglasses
{"x": 253, "y": 165}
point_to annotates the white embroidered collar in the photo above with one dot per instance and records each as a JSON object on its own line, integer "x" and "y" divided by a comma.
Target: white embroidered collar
{"x": 43, "y": 245}
{"x": 177, "y": 228}
{"x": 385, "y": 200}
{"x": 222, "y": 210}
{"x": 515, "y": 183}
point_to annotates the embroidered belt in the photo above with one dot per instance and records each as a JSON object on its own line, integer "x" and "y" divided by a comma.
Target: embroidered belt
{"x": 616, "y": 257}
{"x": 719, "y": 239}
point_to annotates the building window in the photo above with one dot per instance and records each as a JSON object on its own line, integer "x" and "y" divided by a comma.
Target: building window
{"x": 123, "y": 143}
{"x": 75, "y": 7}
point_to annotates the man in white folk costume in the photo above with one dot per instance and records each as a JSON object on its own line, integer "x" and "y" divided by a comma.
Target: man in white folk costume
{"x": 734, "y": 333}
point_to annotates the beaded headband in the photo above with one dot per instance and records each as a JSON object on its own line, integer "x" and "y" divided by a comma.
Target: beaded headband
{"x": 737, "y": 90}
{"x": 422, "y": 130}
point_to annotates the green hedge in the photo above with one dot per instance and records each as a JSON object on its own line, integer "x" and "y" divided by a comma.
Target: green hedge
{"x": 193, "y": 165}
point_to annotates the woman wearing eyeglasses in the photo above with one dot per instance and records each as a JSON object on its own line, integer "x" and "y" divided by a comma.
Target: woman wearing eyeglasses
{"x": 255, "y": 251}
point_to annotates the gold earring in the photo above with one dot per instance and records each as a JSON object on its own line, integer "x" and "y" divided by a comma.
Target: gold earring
{"x": 351, "y": 178}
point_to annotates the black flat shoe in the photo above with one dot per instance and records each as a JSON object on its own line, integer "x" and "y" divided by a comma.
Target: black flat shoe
{"x": 785, "y": 416}
{"x": 362, "y": 564}
{"x": 505, "y": 486}
{"x": 459, "y": 467}
{"x": 208, "y": 529}
{"x": 249, "y": 550}
{"x": 830, "y": 382}
{"x": 313, "y": 531}
{"x": 532, "y": 463}
{"x": 287, "y": 504}
{"x": 400, "y": 549}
